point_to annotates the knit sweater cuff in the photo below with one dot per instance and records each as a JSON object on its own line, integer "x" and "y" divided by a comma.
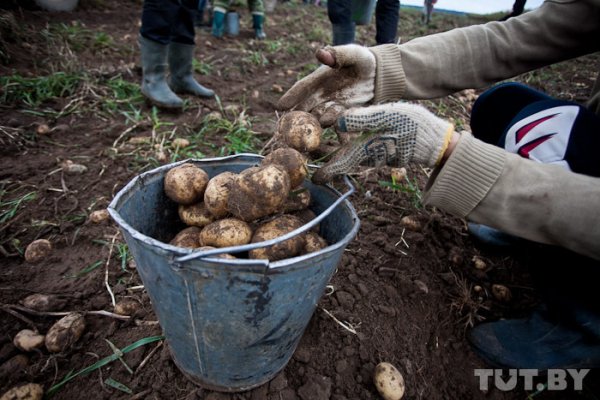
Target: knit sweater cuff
{"x": 390, "y": 82}
{"x": 466, "y": 177}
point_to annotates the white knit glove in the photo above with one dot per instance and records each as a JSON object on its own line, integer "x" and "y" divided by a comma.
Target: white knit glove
{"x": 390, "y": 134}
{"x": 349, "y": 82}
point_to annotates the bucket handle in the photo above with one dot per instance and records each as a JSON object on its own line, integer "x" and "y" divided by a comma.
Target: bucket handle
{"x": 258, "y": 245}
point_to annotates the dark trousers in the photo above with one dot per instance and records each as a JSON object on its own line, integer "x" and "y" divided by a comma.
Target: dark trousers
{"x": 386, "y": 17}
{"x": 166, "y": 21}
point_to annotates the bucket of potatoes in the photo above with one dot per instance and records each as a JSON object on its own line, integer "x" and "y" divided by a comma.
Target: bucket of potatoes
{"x": 258, "y": 204}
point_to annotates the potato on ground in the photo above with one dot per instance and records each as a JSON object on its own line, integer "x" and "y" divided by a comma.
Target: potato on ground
{"x": 300, "y": 130}
{"x": 226, "y": 232}
{"x": 127, "y": 307}
{"x": 388, "y": 381}
{"x": 37, "y": 250}
{"x": 195, "y": 214}
{"x": 292, "y": 160}
{"x": 258, "y": 191}
{"x": 29, "y": 391}
{"x": 185, "y": 184}
{"x": 28, "y": 340}
{"x": 65, "y": 332}
{"x": 217, "y": 193}
{"x": 274, "y": 229}
{"x": 44, "y": 302}
{"x": 189, "y": 237}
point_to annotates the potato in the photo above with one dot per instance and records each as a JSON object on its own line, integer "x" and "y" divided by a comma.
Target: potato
{"x": 478, "y": 263}
{"x": 501, "y": 293}
{"x": 195, "y": 214}
{"x": 298, "y": 199}
{"x": 306, "y": 216}
{"x": 258, "y": 191}
{"x": 314, "y": 242}
{"x": 388, "y": 381}
{"x": 37, "y": 250}
{"x": 65, "y": 332}
{"x": 127, "y": 307}
{"x": 189, "y": 237}
{"x": 99, "y": 216}
{"x": 30, "y": 391}
{"x": 44, "y": 302}
{"x": 185, "y": 184}
{"x": 28, "y": 340}
{"x": 273, "y": 229}
{"x": 217, "y": 193}
{"x": 300, "y": 130}
{"x": 222, "y": 255}
{"x": 292, "y": 160}
{"x": 226, "y": 232}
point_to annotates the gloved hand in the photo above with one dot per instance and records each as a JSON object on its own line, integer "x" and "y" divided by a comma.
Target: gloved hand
{"x": 346, "y": 80}
{"x": 390, "y": 134}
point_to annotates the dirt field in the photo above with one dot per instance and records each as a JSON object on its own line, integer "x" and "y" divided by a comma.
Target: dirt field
{"x": 70, "y": 96}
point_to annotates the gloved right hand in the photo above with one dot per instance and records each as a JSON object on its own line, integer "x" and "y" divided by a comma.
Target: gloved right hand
{"x": 346, "y": 80}
{"x": 390, "y": 134}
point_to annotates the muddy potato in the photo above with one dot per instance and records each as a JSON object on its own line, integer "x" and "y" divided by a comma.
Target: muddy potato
{"x": 195, "y": 214}
{"x": 44, "y": 302}
{"x": 273, "y": 229}
{"x": 388, "y": 381}
{"x": 185, "y": 184}
{"x": 30, "y": 391}
{"x": 226, "y": 232}
{"x": 297, "y": 200}
{"x": 306, "y": 216}
{"x": 189, "y": 237}
{"x": 28, "y": 340}
{"x": 99, "y": 216}
{"x": 300, "y": 130}
{"x": 313, "y": 242}
{"x": 127, "y": 307}
{"x": 37, "y": 250}
{"x": 501, "y": 293}
{"x": 217, "y": 193}
{"x": 65, "y": 332}
{"x": 258, "y": 191}
{"x": 292, "y": 160}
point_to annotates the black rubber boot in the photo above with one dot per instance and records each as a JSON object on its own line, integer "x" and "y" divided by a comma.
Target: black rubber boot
{"x": 181, "y": 79}
{"x": 343, "y": 33}
{"x": 154, "y": 70}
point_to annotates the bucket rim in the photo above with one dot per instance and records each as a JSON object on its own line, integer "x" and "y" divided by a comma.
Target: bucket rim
{"x": 183, "y": 252}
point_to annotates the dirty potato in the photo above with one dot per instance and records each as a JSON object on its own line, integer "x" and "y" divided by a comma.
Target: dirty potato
{"x": 127, "y": 307}
{"x": 226, "y": 232}
{"x": 185, "y": 184}
{"x": 292, "y": 160}
{"x": 217, "y": 193}
{"x": 313, "y": 242}
{"x": 298, "y": 199}
{"x": 195, "y": 214}
{"x": 65, "y": 332}
{"x": 222, "y": 255}
{"x": 306, "y": 216}
{"x": 44, "y": 302}
{"x": 258, "y": 191}
{"x": 30, "y": 391}
{"x": 388, "y": 381}
{"x": 37, "y": 250}
{"x": 300, "y": 130}
{"x": 189, "y": 237}
{"x": 28, "y": 340}
{"x": 273, "y": 229}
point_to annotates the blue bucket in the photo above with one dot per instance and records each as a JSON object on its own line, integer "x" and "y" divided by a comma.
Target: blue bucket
{"x": 231, "y": 324}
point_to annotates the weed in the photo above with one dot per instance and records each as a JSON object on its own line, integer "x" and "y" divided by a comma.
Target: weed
{"x": 237, "y": 133}
{"x": 87, "y": 269}
{"x": 410, "y": 187}
{"x": 34, "y": 91}
{"x": 256, "y": 58}
{"x": 202, "y": 67}
{"x": 9, "y": 208}
{"x": 120, "y": 93}
{"x": 272, "y": 46}
{"x": 307, "y": 69}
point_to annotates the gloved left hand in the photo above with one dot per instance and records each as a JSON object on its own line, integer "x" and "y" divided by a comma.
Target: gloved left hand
{"x": 390, "y": 134}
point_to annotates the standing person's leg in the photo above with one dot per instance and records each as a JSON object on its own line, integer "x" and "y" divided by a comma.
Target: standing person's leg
{"x": 340, "y": 16}
{"x": 181, "y": 54}
{"x": 387, "y": 14}
{"x": 218, "y": 18}
{"x": 518, "y": 7}
{"x": 155, "y": 36}
{"x": 257, "y": 9}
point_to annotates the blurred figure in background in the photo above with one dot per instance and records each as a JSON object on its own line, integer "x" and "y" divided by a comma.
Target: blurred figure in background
{"x": 344, "y": 27}
{"x": 518, "y": 8}
{"x": 256, "y": 7}
{"x": 427, "y": 11}
{"x": 167, "y": 43}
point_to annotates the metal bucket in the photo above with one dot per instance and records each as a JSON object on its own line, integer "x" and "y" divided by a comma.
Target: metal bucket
{"x": 231, "y": 325}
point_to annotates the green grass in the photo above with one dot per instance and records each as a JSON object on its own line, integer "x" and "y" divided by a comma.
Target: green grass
{"x": 203, "y": 67}
{"x": 10, "y": 208}
{"x": 121, "y": 94}
{"x": 32, "y": 92}
{"x": 409, "y": 187}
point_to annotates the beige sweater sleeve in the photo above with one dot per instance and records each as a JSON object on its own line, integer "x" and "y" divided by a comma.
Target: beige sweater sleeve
{"x": 479, "y": 55}
{"x": 540, "y": 202}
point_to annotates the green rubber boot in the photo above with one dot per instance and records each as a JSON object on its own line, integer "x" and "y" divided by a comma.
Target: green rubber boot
{"x": 258, "y": 22}
{"x": 182, "y": 79}
{"x": 218, "y": 22}
{"x": 154, "y": 71}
